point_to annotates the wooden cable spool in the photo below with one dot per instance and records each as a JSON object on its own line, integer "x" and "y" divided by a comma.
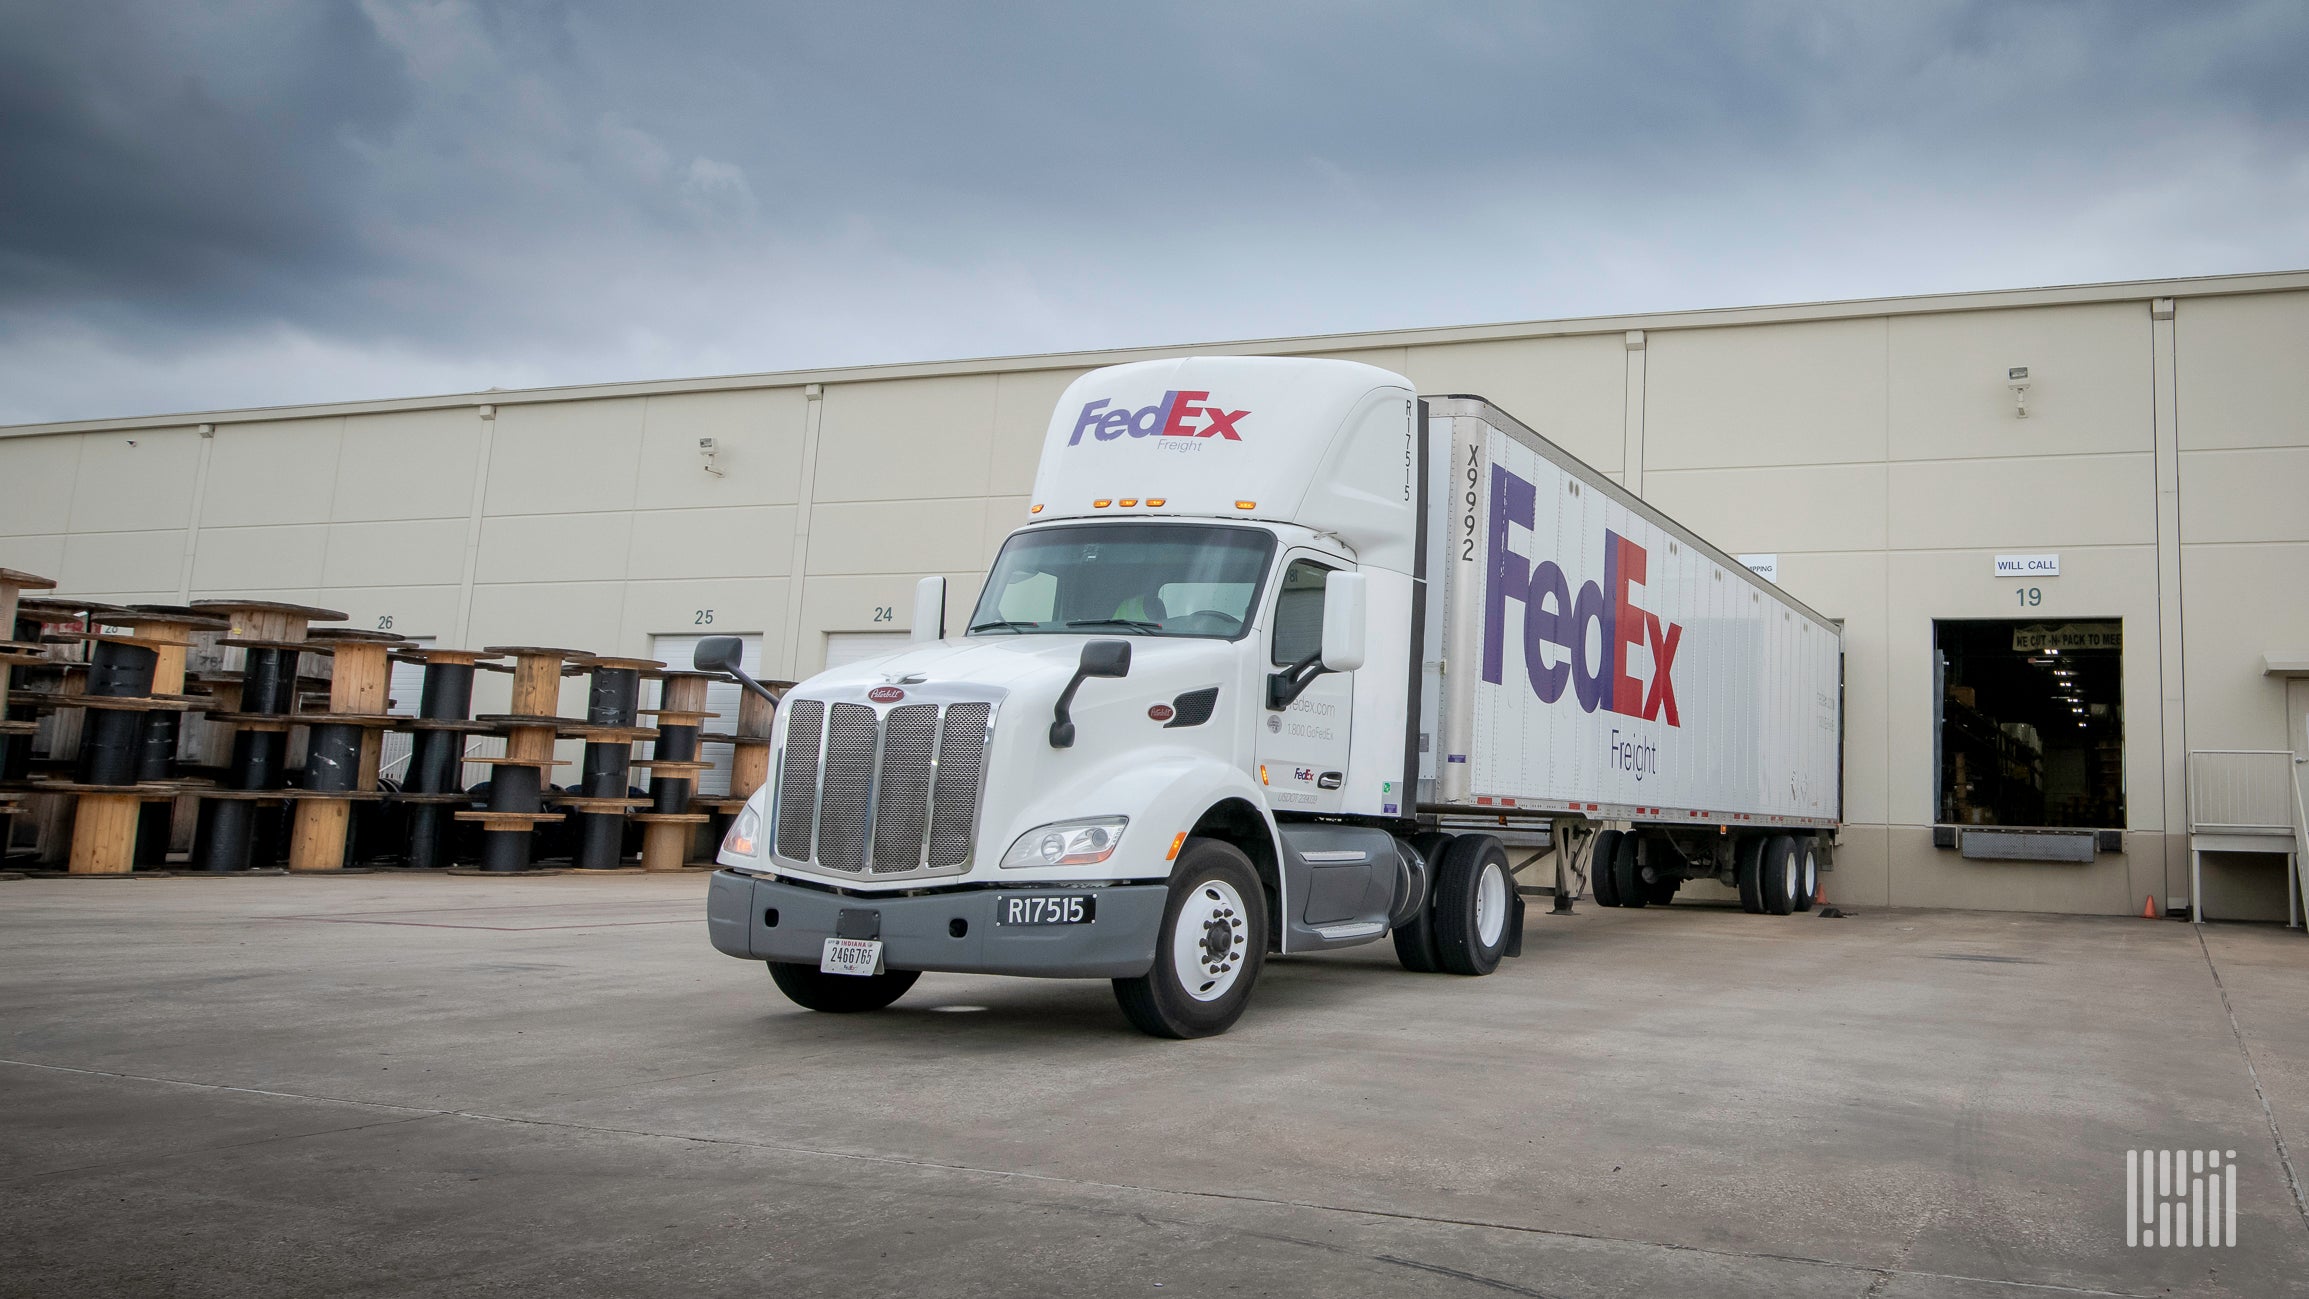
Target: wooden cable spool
{"x": 342, "y": 756}
{"x": 673, "y": 768}
{"x": 436, "y": 773}
{"x": 601, "y": 802}
{"x": 517, "y": 780}
{"x": 15, "y": 732}
{"x": 272, "y": 637}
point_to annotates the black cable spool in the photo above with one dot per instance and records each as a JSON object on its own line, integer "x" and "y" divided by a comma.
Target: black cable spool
{"x": 434, "y": 763}
{"x": 112, "y": 739}
{"x": 615, "y": 696}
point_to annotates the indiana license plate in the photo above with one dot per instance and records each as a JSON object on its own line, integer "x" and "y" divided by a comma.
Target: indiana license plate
{"x": 1047, "y": 909}
{"x": 851, "y": 956}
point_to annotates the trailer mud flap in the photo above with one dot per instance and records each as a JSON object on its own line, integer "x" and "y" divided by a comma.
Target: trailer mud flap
{"x": 1514, "y": 923}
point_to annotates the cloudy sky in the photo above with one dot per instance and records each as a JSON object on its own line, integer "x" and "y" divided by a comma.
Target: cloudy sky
{"x": 212, "y": 203}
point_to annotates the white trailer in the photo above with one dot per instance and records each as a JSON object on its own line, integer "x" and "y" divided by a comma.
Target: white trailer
{"x": 1599, "y": 665}
{"x": 1275, "y": 633}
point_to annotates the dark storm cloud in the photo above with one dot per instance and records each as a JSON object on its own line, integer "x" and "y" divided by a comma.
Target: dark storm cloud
{"x": 162, "y": 159}
{"x": 279, "y": 200}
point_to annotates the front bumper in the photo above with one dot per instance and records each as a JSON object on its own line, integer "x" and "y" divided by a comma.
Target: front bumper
{"x": 917, "y": 931}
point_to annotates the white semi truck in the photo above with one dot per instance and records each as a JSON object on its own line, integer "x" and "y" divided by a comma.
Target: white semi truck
{"x": 1278, "y": 641}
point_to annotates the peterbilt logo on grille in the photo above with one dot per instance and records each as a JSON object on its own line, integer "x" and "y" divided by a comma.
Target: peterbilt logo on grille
{"x": 885, "y": 694}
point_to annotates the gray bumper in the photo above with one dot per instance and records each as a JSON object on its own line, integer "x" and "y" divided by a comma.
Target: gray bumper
{"x": 917, "y": 932}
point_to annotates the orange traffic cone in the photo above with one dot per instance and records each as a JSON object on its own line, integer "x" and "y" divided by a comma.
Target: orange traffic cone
{"x": 2149, "y": 907}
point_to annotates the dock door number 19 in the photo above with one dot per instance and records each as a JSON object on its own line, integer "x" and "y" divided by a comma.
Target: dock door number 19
{"x": 2030, "y": 596}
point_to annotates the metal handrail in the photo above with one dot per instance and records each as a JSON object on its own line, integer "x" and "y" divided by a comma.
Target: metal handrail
{"x": 2297, "y": 887}
{"x": 2241, "y": 797}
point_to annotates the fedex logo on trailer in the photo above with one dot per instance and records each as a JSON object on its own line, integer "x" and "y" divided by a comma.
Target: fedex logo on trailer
{"x": 1552, "y": 617}
{"x": 1172, "y": 417}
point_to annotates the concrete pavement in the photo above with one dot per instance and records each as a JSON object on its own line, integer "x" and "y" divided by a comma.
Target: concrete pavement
{"x": 384, "y": 1084}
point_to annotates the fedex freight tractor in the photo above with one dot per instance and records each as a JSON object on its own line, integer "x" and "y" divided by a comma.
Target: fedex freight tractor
{"x": 1275, "y": 634}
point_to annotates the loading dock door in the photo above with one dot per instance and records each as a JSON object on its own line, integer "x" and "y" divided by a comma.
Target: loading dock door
{"x": 2032, "y": 723}
{"x": 846, "y": 647}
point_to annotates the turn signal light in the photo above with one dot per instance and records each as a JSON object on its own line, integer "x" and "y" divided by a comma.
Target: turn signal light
{"x": 1178, "y": 841}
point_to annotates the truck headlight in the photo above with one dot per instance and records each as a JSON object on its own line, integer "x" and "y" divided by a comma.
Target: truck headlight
{"x": 1067, "y": 843}
{"x": 740, "y": 839}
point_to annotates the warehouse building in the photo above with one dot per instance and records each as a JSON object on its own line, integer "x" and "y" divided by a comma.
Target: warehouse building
{"x": 2067, "y": 532}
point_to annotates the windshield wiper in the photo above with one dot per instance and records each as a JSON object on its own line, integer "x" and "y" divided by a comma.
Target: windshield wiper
{"x": 1000, "y": 624}
{"x": 1132, "y": 623}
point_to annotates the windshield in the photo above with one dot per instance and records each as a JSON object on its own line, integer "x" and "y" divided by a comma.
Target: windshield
{"x": 1149, "y": 579}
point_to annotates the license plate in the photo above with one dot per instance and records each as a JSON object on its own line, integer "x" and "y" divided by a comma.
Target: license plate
{"x": 1047, "y": 909}
{"x": 851, "y": 956}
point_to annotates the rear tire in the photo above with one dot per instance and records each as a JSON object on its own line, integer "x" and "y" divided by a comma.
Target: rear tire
{"x": 1627, "y": 877}
{"x": 1750, "y": 872}
{"x": 839, "y": 994}
{"x": 1662, "y": 891}
{"x": 1808, "y": 876}
{"x": 1415, "y": 939}
{"x": 1602, "y": 863}
{"x": 1209, "y": 952}
{"x": 1778, "y": 875}
{"x": 1474, "y": 905}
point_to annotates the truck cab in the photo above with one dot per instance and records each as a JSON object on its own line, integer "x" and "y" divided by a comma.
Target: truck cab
{"x": 1177, "y": 731}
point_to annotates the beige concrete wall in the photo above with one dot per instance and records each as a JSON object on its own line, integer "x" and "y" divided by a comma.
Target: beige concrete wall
{"x": 1875, "y": 450}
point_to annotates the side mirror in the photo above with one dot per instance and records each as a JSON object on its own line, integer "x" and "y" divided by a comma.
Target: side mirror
{"x": 1345, "y": 613}
{"x": 929, "y": 610}
{"x": 718, "y": 654}
{"x": 1100, "y": 658}
{"x": 1105, "y": 658}
{"x": 1344, "y": 619}
{"x": 727, "y": 654}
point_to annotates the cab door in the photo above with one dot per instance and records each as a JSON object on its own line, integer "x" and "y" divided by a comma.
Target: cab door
{"x": 1302, "y": 748}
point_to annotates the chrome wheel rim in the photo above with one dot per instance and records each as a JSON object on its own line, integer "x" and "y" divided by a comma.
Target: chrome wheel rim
{"x": 1811, "y": 879}
{"x": 1210, "y": 940}
{"x": 1788, "y": 874}
{"x": 1491, "y": 905}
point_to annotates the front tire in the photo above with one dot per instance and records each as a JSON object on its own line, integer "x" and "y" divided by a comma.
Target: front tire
{"x": 1211, "y": 948}
{"x": 1474, "y": 905}
{"x": 840, "y": 994}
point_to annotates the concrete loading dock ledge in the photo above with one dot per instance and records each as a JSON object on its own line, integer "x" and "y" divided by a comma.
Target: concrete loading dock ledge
{"x": 1872, "y": 454}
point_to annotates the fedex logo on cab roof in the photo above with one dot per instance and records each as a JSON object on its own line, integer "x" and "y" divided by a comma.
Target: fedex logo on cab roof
{"x": 1175, "y": 416}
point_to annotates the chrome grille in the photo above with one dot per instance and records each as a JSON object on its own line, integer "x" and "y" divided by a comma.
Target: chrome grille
{"x": 846, "y": 786}
{"x": 902, "y": 790}
{"x": 893, "y": 793}
{"x": 798, "y": 778}
{"x": 961, "y": 764}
